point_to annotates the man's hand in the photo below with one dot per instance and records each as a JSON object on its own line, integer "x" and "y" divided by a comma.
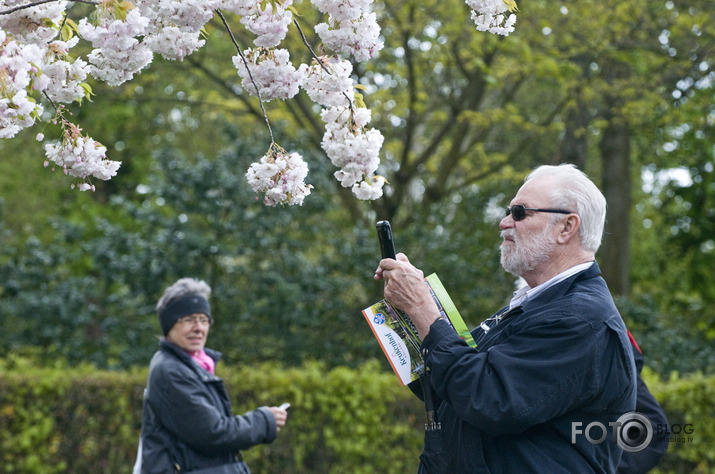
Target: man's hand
{"x": 406, "y": 290}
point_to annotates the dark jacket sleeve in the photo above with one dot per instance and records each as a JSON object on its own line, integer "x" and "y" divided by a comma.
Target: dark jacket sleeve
{"x": 187, "y": 410}
{"x": 510, "y": 387}
{"x": 643, "y": 461}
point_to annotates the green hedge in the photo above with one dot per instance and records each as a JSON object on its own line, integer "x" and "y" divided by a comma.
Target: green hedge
{"x": 342, "y": 420}
{"x": 688, "y": 400}
{"x": 81, "y": 420}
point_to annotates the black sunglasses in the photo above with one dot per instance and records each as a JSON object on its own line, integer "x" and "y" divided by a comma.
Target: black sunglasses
{"x": 518, "y": 212}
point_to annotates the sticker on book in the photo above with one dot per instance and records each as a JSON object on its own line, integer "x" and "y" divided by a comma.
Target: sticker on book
{"x": 390, "y": 334}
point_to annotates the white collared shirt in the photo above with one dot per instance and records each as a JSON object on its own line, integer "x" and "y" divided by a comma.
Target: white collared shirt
{"x": 523, "y": 294}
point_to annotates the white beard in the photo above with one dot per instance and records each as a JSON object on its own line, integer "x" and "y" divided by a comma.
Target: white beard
{"x": 528, "y": 251}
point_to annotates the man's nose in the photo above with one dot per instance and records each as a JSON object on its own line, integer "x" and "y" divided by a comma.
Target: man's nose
{"x": 506, "y": 223}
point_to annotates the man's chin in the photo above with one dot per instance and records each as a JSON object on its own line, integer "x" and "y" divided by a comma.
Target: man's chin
{"x": 505, "y": 258}
{"x": 510, "y": 267}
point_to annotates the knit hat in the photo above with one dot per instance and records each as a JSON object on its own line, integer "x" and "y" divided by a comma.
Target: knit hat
{"x": 180, "y": 307}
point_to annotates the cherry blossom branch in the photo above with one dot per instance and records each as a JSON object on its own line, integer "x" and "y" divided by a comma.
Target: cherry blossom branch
{"x": 317, "y": 59}
{"x": 125, "y": 35}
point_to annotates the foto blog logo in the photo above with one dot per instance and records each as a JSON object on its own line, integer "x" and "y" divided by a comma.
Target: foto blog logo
{"x": 632, "y": 431}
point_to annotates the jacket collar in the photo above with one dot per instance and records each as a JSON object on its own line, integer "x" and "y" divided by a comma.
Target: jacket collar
{"x": 184, "y": 357}
{"x": 563, "y": 287}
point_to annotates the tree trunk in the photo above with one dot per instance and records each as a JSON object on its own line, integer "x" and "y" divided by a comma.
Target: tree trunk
{"x": 614, "y": 256}
{"x": 574, "y": 147}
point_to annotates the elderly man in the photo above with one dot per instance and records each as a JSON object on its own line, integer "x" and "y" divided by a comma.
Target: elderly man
{"x": 554, "y": 361}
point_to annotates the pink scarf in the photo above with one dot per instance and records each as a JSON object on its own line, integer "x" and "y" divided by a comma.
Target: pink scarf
{"x": 204, "y": 360}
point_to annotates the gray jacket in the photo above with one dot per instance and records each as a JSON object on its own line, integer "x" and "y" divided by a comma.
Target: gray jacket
{"x": 187, "y": 422}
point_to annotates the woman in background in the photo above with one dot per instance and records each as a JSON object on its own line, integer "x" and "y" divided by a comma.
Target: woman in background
{"x": 187, "y": 423}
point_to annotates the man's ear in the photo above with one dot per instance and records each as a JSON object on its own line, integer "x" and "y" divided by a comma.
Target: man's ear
{"x": 569, "y": 228}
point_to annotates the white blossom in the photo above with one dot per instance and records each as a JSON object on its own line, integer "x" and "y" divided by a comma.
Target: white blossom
{"x": 174, "y": 26}
{"x": 268, "y": 25}
{"x": 369, "y": 189}
{"x": 358, "y": 38}
{"x": 192, "y": 15}
{"x": 239, "y": 7}
{"x": 38, "y": 59}
{"x": 280, "y": 176}
{"x": 172, "y": 42}
{"x": 118, "y": 55}
{"x": 271, "y": 71}
{"x": 83, "y": 158}
{"x": 37, "y": 24}
{"x": 64, "y": 76}
{"x": 353, "y": 148}
{"x": 17, "y": 112}
{"x": 329, "y": 83}
{"x": 18, "y": 72}
{"x": 343, "y": 9}
{"x": 492, "y": 16}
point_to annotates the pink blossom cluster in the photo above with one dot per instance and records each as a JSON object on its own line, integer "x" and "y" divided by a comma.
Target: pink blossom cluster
{"x": 353, "y": 148}
{"x": 18, "y": 69}
{"x": 492, "y": 16}
{"x": 81, "y": 157}
{"x": 351, "y": 28}
{"x": 268, "y": 24}
{"x": 174, "y": 26}
{"x": 281, "y": 176}
{"x": 328, "y": 81}
{"x": 359, "y": 38}
{"x": 272, "y": 76}
{"x": 117, "y": 54}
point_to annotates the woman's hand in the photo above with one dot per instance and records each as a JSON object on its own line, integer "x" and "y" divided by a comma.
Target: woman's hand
{"x": 280, "y": 415}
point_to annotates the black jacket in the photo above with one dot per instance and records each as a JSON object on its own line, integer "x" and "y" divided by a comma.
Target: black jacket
{"x": 510, "y": 404}
{"x": 187, "y": 420}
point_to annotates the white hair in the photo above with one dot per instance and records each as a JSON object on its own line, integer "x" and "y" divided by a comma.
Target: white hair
{"x": 575, "y": 192}
{"x": 183, "y": 287}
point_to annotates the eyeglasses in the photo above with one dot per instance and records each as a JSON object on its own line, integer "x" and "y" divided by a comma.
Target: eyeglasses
{"x": 191, "y": 320}
{"x": 518, "y": 212}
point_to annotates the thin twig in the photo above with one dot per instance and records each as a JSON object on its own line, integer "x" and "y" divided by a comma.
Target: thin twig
{"x": 250, "y": 76}
{"x": 307, "y": 45}
{"x": 42, "y": 2}
{"x": 50, "y": 100}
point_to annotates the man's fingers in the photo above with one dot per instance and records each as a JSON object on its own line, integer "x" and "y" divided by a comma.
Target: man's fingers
{"x": 402, "y": 258}
{"x": 390, "y": 264}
